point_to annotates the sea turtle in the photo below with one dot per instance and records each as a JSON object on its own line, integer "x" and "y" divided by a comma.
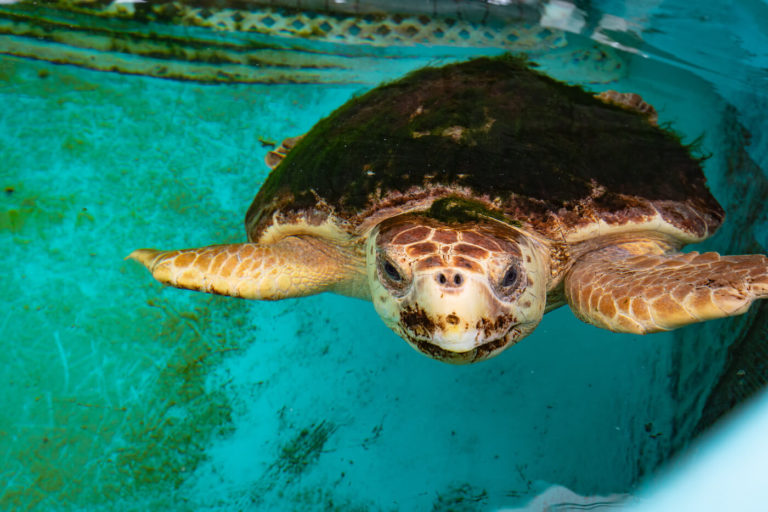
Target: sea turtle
{"x": 468, "y": 200}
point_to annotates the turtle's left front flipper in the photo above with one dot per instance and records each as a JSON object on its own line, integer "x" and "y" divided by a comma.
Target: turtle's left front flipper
{"x": 293, "y": 267}
{"x": 623, "y": 289}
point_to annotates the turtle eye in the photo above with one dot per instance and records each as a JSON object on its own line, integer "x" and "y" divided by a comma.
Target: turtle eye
{"x": 390, "y": 271}
{"x": 510, "y": 277}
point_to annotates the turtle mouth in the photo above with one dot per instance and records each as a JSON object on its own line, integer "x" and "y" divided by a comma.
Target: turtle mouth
{"x": 479, "y": 353}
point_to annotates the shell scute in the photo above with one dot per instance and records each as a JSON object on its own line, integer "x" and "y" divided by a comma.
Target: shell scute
{"x": 496, "y": 134}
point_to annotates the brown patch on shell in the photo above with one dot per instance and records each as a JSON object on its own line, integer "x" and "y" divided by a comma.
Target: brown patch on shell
{"x": 280, "y": 212}
{"x": 691, "y": 217}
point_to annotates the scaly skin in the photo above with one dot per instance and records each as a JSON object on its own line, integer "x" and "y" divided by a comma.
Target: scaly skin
{"x": 625, "y": 288}
{"x": 292, "y": 267}
{"x": 449, "y": 299}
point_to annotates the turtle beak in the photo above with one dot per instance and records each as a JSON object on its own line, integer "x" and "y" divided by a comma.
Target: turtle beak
{"x": 455, "y": 311}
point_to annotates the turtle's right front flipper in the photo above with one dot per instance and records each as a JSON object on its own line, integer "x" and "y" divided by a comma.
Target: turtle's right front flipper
{"x": 292, "y": 267}
{"x": 625, "y": 289}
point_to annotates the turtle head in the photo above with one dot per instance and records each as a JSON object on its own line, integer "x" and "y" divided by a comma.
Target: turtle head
{"x": 458, "y": 292}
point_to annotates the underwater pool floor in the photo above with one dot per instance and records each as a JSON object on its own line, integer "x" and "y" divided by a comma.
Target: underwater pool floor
{"x": 120, "y": 394}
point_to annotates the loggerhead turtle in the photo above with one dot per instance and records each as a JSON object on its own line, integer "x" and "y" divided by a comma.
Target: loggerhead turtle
{"x": 466, "y": 201}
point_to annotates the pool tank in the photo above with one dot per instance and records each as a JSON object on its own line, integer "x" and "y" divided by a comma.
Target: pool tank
{"x": 130, "y": 124}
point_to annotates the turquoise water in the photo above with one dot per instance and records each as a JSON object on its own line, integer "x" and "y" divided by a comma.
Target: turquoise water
{"x": 120, "y": 394}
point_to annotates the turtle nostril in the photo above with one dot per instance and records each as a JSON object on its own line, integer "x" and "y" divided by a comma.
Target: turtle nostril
{"x": 449, "y": 279}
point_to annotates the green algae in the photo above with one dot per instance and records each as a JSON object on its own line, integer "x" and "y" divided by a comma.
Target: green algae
{"x": 461, "y": 498}
{"x": 186, "y": 413}
{"x": 495, "y": 126}
{"x": 106, "y": 375}
{"x": 458, "y": 210}
{"x": 294, "y": 458}
{"x": 104, "y": 382}
{"x": 304, "y": 449}
{"x": 29, "y": 213}
{"x": 91, "y": 430}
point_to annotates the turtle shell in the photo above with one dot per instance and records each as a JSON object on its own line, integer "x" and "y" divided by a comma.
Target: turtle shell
{"x": 513, "y": 141}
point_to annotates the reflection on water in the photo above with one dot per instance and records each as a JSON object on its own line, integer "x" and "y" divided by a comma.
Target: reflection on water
{"x": 118, "y": 391}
